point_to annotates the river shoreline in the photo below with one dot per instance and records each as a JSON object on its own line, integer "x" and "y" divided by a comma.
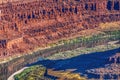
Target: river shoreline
{"x": 8, "y": 68}
{"x": 19, "y": 71}
{"x": 80, "y": 51}
{"x": 83, "y": 41}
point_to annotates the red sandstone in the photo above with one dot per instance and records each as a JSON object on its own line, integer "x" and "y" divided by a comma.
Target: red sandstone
{"x": 27, "y": 24}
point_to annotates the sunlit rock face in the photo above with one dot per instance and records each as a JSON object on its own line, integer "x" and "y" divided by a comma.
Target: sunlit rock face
{"x": 27, "y": 24}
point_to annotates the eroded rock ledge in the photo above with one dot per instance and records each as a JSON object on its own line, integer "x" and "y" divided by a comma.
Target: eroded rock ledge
{"x": 26, "y": 25}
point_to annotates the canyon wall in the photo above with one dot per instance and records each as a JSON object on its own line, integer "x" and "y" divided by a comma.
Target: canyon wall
{"x": 30, "y": 23}
{"x": 40, "y": 22}
{"x": 8, "y": 68}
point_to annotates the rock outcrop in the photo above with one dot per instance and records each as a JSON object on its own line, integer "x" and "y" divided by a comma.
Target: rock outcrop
{"x": 35, "y": 23}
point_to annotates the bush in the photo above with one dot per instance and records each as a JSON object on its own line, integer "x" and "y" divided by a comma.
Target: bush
{"x": 31, "y": 73}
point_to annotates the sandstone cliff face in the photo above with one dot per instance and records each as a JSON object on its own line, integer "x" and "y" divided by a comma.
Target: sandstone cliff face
{"x": 40, "y": 22}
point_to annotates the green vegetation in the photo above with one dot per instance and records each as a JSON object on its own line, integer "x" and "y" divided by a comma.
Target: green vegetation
{"x": 108, "y": 36}
{"x": 37, "y": 72}
{"x": 32, "y": 73}
{"x": 80, "y": 51}
{"x": 91, "y": 40}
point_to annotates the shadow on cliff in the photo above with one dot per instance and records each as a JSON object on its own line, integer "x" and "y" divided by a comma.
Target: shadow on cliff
{"x": 80, "y": 63}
